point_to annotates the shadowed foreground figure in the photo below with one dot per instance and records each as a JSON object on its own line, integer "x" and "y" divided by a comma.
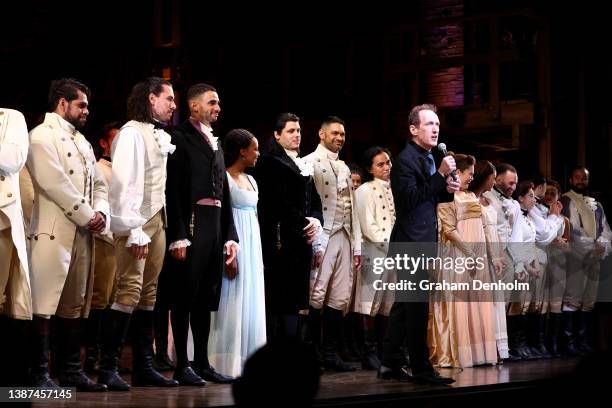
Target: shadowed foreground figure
{"x": 296, "y": 388}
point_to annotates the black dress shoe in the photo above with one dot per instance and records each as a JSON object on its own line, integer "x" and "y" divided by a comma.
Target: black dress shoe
{"x": 43, "y": 381}
{"x": 398, "y": 373}
{"x": 113, "y": 381}
{"x": 186, "y": 376}
{"x": 513, "y": 355}
{"x": 370, "y": 362}
{"x": 335, "y": 363}
{"x": 81, "y": 382}
{"x": 209, "y": 374}
{"x": 432, "y": 378}
{"x": 151, "y": 378}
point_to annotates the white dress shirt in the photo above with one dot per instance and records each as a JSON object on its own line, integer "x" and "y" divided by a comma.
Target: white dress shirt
{"x": 138, "y": 182}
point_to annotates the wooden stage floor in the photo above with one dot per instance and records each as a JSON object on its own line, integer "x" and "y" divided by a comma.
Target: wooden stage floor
{"x": 359, "y": 388}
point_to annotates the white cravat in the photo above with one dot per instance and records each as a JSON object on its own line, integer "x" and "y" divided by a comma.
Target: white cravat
{"x": 208, "y": 131}
{"x": 343, "y": 174}
{"x": 306, "y": 169}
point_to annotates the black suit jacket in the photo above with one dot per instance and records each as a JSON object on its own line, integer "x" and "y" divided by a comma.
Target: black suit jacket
{"x": 286, "y": 198}
{"x": 195, "y": 171}
{"x": 416, "y": 195}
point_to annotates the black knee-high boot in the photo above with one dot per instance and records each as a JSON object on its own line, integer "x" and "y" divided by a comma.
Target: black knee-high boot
{"x": 514, "y": 338}
{"x": 586, "y": 328}
{"x": 522, "y": 331}
{"x": 93, "y": 325}
{"x": 569, "y": 333}
{"x": 39, "y": 354}
{"x": 541, "y": 339}
{"x": 536, "y": 335}
{"x": 115, "y": 325}
{"x": 143, "y": 373}
{"x": 554, "y": 323}
{"x": 69, "y": 359}
{"x": 332, "y": 320}
{"x": 369, "y": 359}
{"x": 349, "y": 349}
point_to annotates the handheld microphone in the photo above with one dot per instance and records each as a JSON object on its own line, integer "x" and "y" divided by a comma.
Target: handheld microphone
{"x": 442, "y": 148}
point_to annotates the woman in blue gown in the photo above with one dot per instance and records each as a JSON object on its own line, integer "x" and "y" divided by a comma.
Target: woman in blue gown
{"x": 238, "y": 328}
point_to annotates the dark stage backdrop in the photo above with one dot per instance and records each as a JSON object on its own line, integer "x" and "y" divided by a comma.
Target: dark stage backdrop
{"x": 317, "y": 59}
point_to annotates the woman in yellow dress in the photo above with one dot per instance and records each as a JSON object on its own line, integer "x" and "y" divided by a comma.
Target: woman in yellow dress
{"x": 462, "y": 322}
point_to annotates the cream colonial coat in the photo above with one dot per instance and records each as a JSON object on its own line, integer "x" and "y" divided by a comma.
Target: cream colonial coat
{"x": 376, "y": 209}
{"x": 59, "y": 176}
{"x": 327, "y": 187}
{"x": 13, "y": 155}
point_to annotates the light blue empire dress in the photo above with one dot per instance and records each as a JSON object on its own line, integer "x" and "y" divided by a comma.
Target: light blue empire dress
{"x": 238, "y": 328}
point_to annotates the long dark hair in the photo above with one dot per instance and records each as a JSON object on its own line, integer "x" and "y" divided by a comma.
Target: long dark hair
{"x": 482, "y": 170}
{"x": 138, "y": 106}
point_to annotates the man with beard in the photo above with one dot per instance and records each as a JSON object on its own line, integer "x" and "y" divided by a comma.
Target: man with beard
{"x": 201, "y": 230}
{"x": 547, "y": 221}
{"x": 70, "y": 203}
{"x": 332, "y": 282}
{"x": 590, "y": 237}
{"x": 508, "y": 211}
{"x": 137, "y": 199}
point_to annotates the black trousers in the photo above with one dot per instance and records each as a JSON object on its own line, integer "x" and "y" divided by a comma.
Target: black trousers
{"x": 197, "y": 286}
{"x": 407, "y": 321}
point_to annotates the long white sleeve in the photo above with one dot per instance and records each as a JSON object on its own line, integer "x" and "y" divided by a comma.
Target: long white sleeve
{"x": 546, "y": 226}
{"x": 127, "y": 186}
{"x": 14, "y": 146}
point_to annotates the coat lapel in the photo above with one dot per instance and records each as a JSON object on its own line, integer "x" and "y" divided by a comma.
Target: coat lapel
{"x": 197, "y": 139}
{"x": 279, "y": 154}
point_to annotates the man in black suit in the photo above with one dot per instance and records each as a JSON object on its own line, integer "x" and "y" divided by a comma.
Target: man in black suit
{"x": 417, "y": 188}
{"x": 290, "y": 216}
{"x": 200, "y": 231}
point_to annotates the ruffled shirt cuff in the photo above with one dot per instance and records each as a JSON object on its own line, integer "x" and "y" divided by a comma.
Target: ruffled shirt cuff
{"x": 137, "y": 237}
{"x": 317, "y": 241}
{"x": 182, "y": 243}
{"x": 231, "y": 242}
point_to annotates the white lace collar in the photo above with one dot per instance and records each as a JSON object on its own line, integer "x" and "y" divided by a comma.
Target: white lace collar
{"x": 163, "y": 140}
{"x": 306, "y": 168}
